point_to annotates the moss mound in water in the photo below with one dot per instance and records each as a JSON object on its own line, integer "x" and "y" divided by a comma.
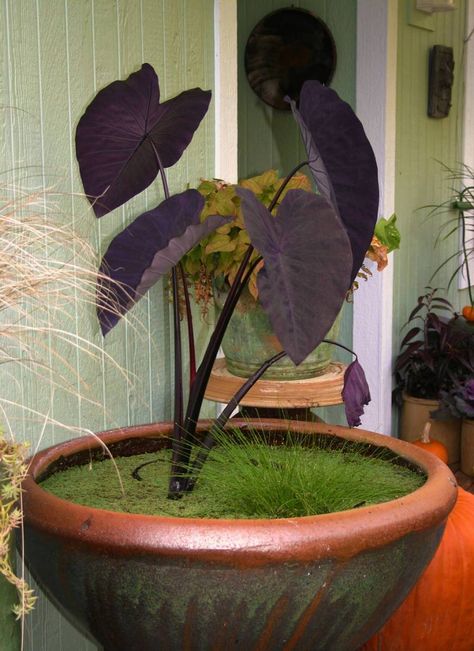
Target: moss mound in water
{"x": 246, "y": 480}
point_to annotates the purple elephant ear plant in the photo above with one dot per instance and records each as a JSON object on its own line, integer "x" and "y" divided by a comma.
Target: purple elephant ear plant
{"x": 312, "y": 248}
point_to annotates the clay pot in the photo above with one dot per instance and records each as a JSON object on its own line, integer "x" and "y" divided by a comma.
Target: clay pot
{"x": 141, "y": 583}
{"x": 467, "y": 447}
{"x": 415, "y": 413}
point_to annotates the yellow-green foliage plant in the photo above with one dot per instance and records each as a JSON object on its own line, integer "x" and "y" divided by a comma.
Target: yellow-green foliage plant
{"x": 216, "y": 258}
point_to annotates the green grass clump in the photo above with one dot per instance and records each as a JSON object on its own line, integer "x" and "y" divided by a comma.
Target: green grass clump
{"x": 245, "y": 477}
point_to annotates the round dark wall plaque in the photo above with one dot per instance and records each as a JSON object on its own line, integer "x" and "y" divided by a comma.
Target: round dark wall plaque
{"x": 286, "y": 48}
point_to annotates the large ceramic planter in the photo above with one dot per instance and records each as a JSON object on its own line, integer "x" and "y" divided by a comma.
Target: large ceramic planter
{"x": 415, "y": 413}
{"x": 249, "y": 341}
{"x": 142, "y": 583}
{"x": 467, "y": 447}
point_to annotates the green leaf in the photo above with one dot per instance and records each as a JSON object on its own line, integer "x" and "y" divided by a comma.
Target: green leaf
{"x": 387, "y": 232}
{"x": 220, "y": 243}
{"x": 207, "y": 187}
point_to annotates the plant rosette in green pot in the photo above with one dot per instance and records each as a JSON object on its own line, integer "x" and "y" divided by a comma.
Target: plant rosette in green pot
{"x": 213, "y": 263}
{"x": 140, "y": 582}
{"x": 144, "y": 582}
{"x": 435, "y": 356}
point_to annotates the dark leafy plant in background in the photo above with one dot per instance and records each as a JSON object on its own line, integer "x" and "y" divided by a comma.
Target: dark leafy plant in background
{"x": 458, "y": 402}
{"x": 311, "y": 249}
{"x": 435, "y": 354}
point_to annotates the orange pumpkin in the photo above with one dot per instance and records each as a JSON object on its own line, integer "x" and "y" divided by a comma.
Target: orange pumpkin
{"x": 430, "y": 445}
{"x": 468, "y": 312}
{"x": 438, "y": 614}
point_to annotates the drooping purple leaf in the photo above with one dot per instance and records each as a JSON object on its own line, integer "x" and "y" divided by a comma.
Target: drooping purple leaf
{"x": 355, "y": 393}
{"x": 147, "y": 249}
{"x": 344, "y": 166}
{"x": 307, "y": 267}
{"x": 116, "y": 136}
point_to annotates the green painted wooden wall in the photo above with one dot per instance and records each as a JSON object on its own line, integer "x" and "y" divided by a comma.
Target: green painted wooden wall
{"x": 269, "y": 138}
{"x": 54, "y": 56}
{"x": 423, "y": 144}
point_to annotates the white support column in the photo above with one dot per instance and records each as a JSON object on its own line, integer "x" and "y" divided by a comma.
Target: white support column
{"x": 468, "y": 127}
{"x": 376, "y": 102}
{"x": 225, "y": 53}
{"x": 225, "y": 97}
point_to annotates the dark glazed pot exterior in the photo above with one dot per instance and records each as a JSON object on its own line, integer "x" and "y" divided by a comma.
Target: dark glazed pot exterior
{"x": 142, "y": 583}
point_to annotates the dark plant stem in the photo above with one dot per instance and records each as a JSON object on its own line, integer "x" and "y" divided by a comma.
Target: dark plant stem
{"x": 204, "y": 371}
{"x": 284, "y": 184}
{"x": 336, "y": 343}
{"x": 202, "y": 376}
{"x": 196, "y": 395}
{"x": 189, "y": 320}
{"x": 209, "y": 440}
{"x": 176, "y": 480}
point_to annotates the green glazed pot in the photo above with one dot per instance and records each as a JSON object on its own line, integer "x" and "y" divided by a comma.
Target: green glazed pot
{"x": 249, "y": 341}
{"x": 141, "y": 583}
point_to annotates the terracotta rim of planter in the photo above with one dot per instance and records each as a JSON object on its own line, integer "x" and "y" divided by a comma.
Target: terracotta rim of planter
{"x": 342, "y": 534}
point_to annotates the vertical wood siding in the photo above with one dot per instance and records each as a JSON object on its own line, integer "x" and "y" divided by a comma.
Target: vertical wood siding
{"x": 423, "y": 146}
{"x": 54, "y": 56}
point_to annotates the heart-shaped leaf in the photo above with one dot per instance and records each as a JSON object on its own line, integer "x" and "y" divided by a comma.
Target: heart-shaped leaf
{"x": 146, "y": 250}
{"x": 125, "y": 123}
{"x": 342, "y": 162}
{"x": 307, "y": 267}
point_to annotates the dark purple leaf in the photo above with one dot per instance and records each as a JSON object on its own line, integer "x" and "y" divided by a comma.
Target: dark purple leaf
{"x": 415, "y": 311}
{"x": 445, "y": 302}
{"x": 426, "y": 357}
{"x": 116, "y": 136}
{"x": 344, "y": 169}
{"x": 147, "y": 249}
{"x": 433, "y": 322}
{"x": 355, "y": 393}
{"x": 407, "y": 355}
{"x": 307, "y": 268}
{"x": 409, "y": 336}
